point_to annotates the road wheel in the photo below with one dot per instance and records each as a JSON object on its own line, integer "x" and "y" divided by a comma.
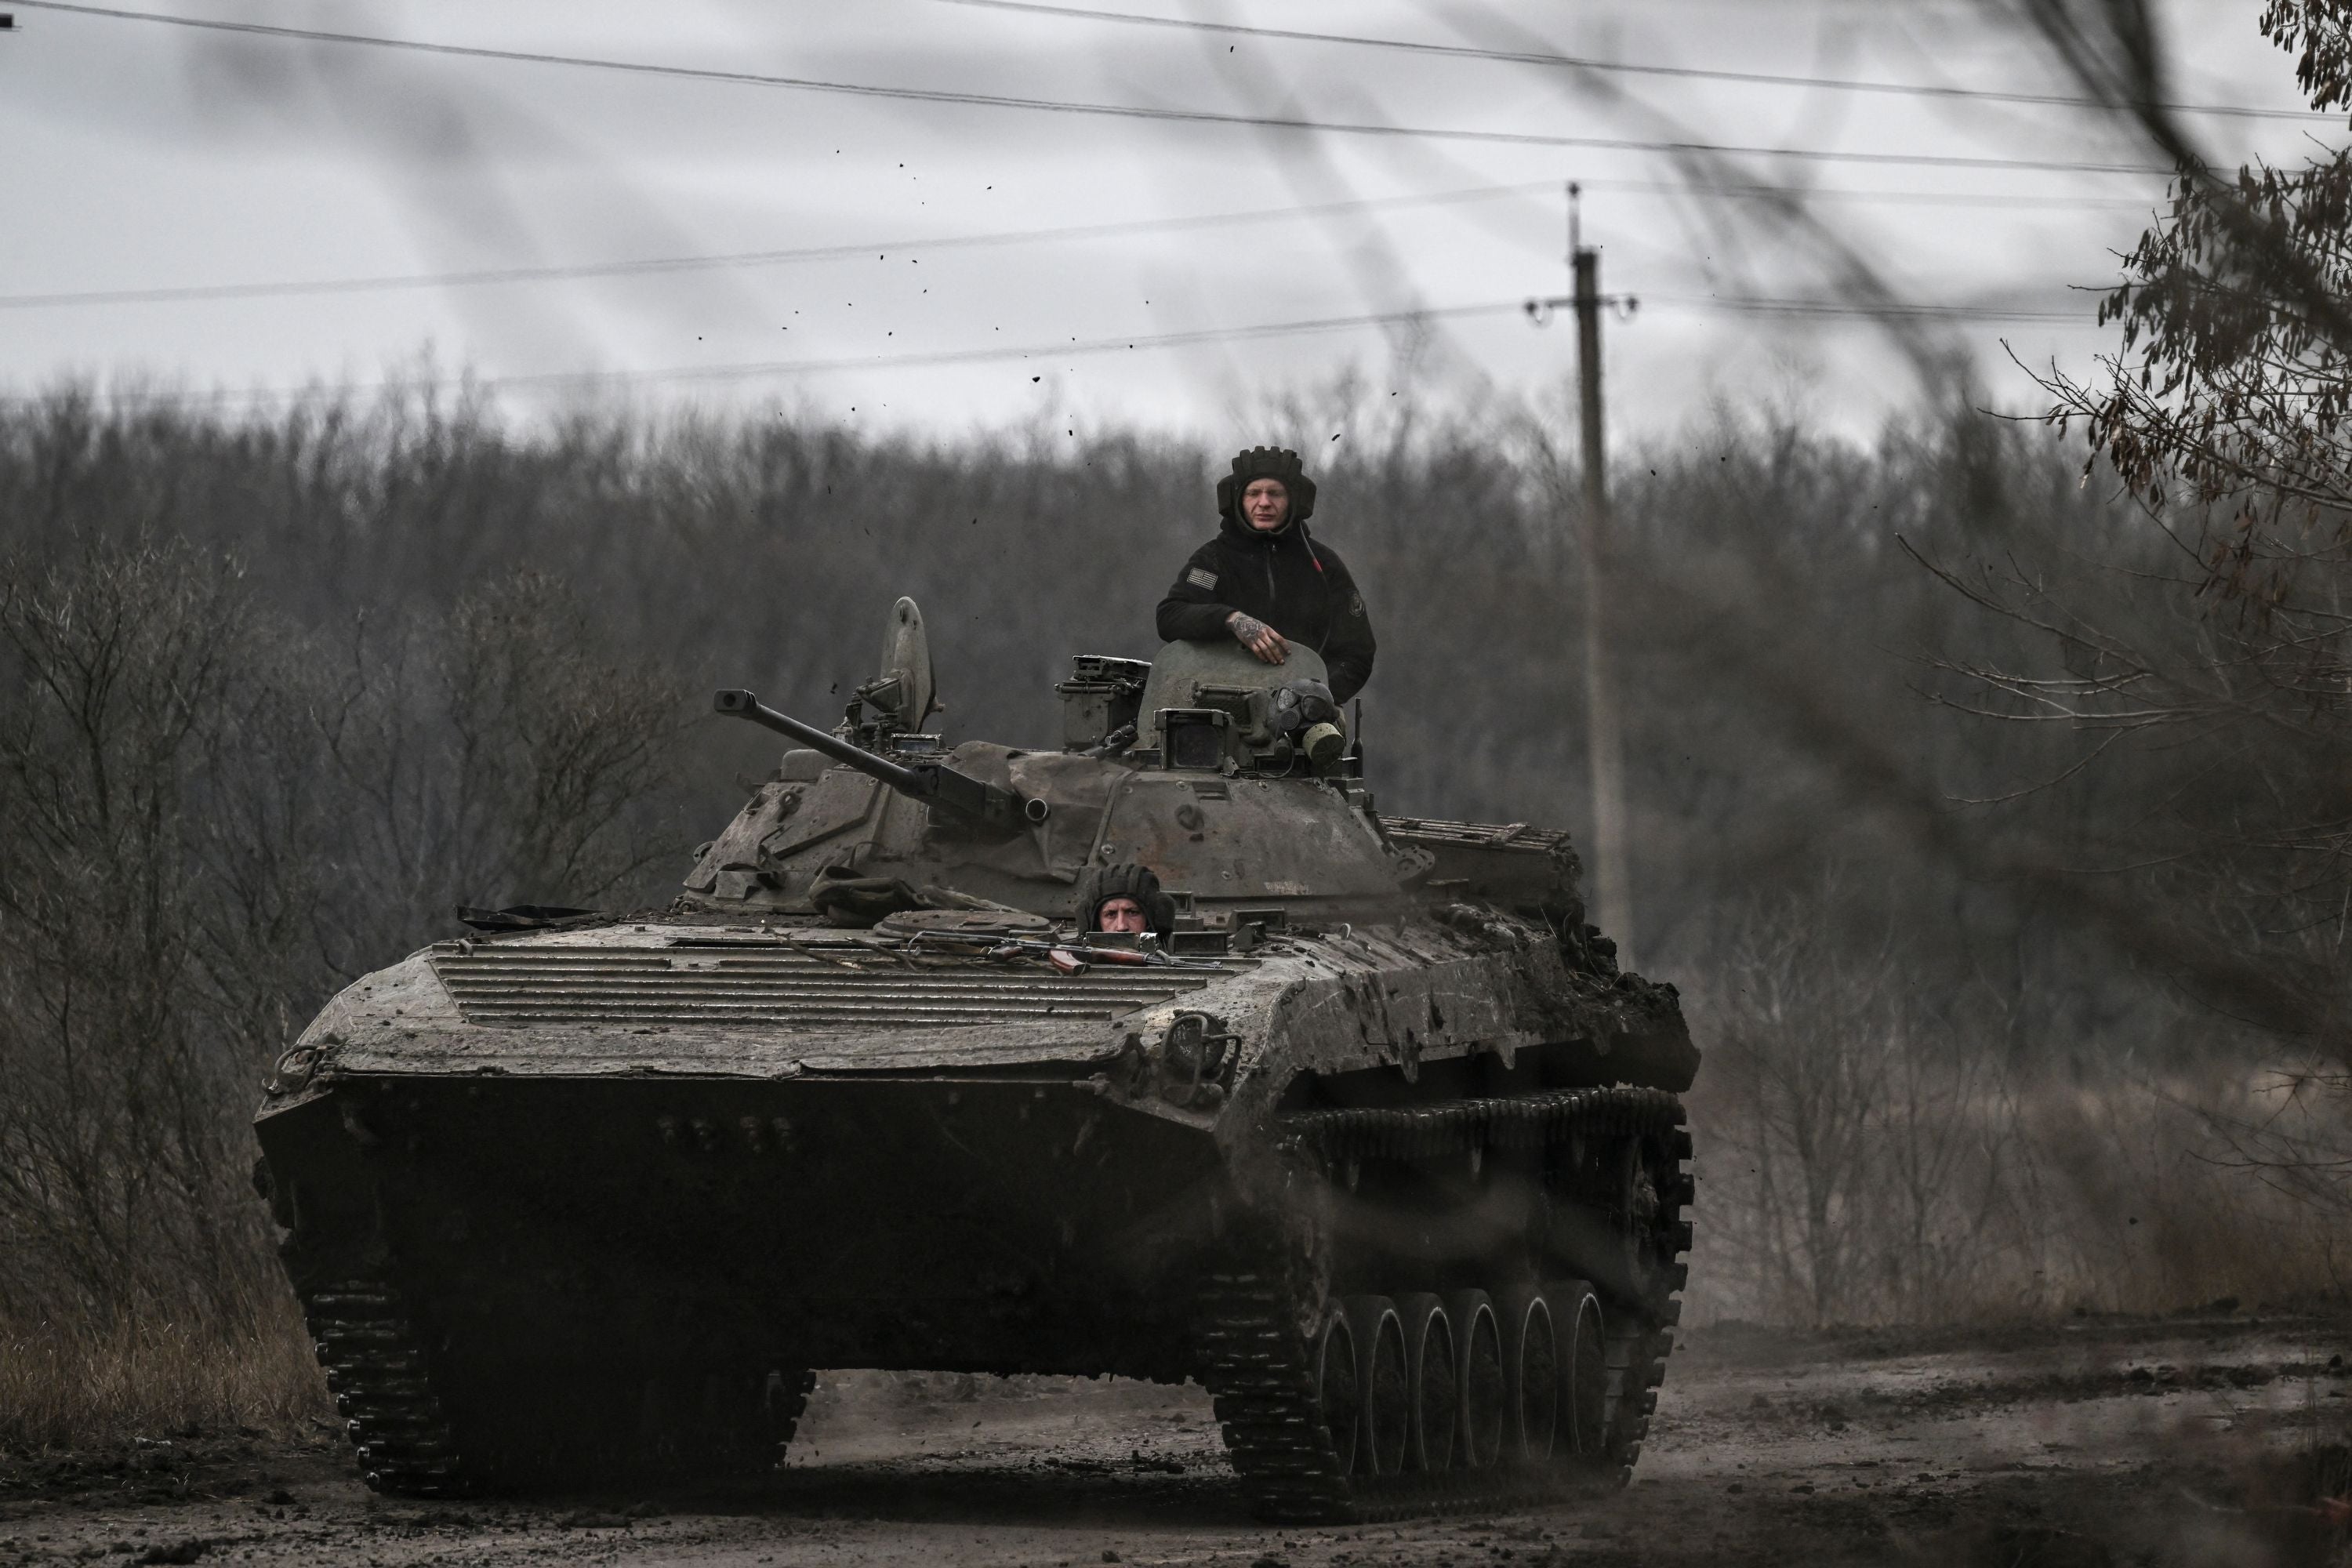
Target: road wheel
{"x": 1431, "y": 1382}
{"x": 1479, "y": 1360}
{"x": 1532, "y": 1375}
{"x": 1381, "y": 1378}
{"x": 1586, "y": 1407}
{"x": 1339, "y": 1394}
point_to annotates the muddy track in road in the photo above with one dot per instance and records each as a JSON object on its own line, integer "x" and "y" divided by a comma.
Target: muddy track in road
{"x": 2092, "y": 1442}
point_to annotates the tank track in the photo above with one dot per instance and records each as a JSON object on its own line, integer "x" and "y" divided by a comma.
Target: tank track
{"x": 1255, "y": 1359}
{"x": 381, "y": 1379}
{"x": 376, "y": 1371}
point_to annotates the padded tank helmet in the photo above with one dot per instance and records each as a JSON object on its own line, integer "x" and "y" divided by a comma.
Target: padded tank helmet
{"x": 1267, "y": 463}
{"x": 1125, "y": 881}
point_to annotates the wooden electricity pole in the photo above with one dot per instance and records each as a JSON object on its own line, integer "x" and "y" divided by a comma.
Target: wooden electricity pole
{"x": 1612, "y": 890}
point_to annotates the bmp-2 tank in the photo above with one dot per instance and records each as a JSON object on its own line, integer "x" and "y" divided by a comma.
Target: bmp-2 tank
{"x": 1374, "y": 1141}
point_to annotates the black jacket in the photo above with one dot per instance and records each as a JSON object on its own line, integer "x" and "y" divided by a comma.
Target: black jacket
{"x": 1294, "y": 584}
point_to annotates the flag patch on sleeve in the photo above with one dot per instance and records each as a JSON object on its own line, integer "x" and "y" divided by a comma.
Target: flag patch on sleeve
{"x": 1201, "y": 577}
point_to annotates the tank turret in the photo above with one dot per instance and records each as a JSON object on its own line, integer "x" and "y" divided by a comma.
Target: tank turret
{"x": 1379, "y": 1144}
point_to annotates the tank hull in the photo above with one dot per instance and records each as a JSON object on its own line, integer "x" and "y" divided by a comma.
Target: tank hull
{"x": 963, "y": 1225}
{"x": 591, "y": 1203}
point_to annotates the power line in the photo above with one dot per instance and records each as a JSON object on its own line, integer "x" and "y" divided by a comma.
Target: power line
{"x": 928, "y": 359}
{"x": 1623, "y": 68}
{"x": 1110, "y": 111}
{"x": 563, "y": 272}
{"x": 1982, "y": 313}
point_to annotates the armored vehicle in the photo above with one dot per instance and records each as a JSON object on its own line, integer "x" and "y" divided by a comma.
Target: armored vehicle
{"x": 1374, "y": 1140}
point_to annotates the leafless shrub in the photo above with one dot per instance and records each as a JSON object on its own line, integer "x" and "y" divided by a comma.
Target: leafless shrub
{"x": 2143, "y": 1210}
{"x": 494, "y": 755}
{"x": 1875, "y": 1153}
{"x": 207, "y": 821}
{"x": 121, "y": 977}
{"x": 1862, "y": 1148}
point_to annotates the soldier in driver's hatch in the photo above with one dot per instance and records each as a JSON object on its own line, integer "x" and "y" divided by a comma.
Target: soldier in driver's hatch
{"x": 1263, "y": 582}
{"x": 1123, "y": 898}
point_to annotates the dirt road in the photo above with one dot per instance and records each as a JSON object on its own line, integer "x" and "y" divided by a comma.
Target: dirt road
{"x": 2181, "y": 1442}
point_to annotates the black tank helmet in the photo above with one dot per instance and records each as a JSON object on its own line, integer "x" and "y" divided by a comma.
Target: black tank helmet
{"x": 1124, "y": 880}
{"x": 1266, "y": 463}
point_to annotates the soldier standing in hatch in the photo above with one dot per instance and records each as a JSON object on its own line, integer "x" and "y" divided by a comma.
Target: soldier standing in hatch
{"x": 1263, "y": 582}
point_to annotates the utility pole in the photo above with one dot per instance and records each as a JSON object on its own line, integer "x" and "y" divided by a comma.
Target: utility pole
{"x": 1612, "y": 890}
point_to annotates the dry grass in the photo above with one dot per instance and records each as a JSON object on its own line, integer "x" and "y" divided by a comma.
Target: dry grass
{"x": 69, "y": 1385}
{"x": 2149, "y": 1207}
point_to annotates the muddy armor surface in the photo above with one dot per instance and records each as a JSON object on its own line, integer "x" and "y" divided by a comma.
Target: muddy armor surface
{"x": 1378, "y": 1145}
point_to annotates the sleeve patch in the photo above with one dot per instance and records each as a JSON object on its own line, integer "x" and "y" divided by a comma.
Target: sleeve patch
{"x": 1201, "y": 577}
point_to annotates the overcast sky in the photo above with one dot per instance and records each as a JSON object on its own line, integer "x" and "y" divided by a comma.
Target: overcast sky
{"x": 145, "y": 156}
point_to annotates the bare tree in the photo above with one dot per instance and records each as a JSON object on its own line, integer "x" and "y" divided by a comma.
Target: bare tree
{"x": 1860, "y": 1160}
{"x": 119, "y": 1139}
{"x": 206, "y": 825}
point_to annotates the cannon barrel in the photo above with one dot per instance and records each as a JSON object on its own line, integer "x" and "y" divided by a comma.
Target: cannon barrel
{"x": 989, "y": 806}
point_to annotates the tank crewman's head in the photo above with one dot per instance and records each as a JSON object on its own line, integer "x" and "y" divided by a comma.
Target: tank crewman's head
{"x": 1268, "y": 490}
{"x": 1125, "y": 898}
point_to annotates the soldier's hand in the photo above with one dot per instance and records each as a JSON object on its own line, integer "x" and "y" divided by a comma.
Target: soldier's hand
{"x": 1258, "y": 638}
